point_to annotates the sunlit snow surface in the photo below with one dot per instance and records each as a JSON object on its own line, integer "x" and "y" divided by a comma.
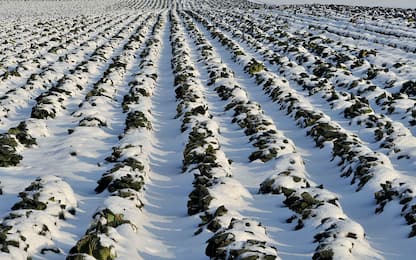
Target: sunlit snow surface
{"x": 231, "y": 95}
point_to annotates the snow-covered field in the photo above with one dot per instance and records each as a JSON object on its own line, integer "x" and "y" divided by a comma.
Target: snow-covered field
{"x": 187, "y": 129}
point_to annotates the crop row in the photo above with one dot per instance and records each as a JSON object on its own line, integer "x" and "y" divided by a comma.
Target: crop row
{"x": 53, "y": 101}
{"x": 52, "y": 41}
{"x": 391, "y": 136}
{"x": 234, "y": 236}
{"x": 315, "y": 73}
{"x": 354, "y": 157}
{"x": 307, "y": 200}
{"x": 142, "y": 4}
{"x": 18, "y": 96}
{"x": 396, "y": 22}
{"x": 126, "y": 178}
{"x": 352, "y": 29}
{"x": 42, "y": 10}
{"x": 35, "y": 220}
{"x": 132, "y": 37}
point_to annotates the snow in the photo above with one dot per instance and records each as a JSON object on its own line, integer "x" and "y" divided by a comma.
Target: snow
{"x": 165, "y": 130}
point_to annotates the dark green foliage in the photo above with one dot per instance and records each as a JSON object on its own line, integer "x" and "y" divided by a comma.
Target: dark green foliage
{"x": 92, "y": 121}
{"x": 125, "y": 182}
{"x": 326, "y": 254}
{"x": 111, "y": 220}
{"x": 21, "y": 133}
{"x": 254, "y": 67}
{"x": 27, "y": 203}
{"x": 128, "y": 181}
{"x": 211, "y": 220}
{"x": 409, "y": 88}
{"x": 8, "y": 155}
{"x": 40, "y": 113}
{"x": 357, "y": 109}
{"x": 199, "y": 200}
{"x": 90, "y": 245}
{"x": 220, "y": 246}
{"x": 137, "y": 119}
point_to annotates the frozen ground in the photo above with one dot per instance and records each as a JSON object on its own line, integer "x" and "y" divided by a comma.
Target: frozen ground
{"x": 157, "y": 129}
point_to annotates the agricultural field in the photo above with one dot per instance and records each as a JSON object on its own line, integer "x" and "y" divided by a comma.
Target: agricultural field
{"x": 211, "y": 129}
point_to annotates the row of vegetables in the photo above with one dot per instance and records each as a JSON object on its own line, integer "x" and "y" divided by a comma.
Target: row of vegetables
{"x": 336, "y": 234}
{"x": 124, "y": 181}
{"x": 356, "y": 160}
{"x": 116, "y": 65}
{"x": 34, "y": 223}
{"x": 54, "y": 38}
{"x": 141, "y": 4}
{"x": 391, "y": 137}
{"x": 34, "y": 83}
{"x": 51, "y": 102}
{"x": 234, "y": 236}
